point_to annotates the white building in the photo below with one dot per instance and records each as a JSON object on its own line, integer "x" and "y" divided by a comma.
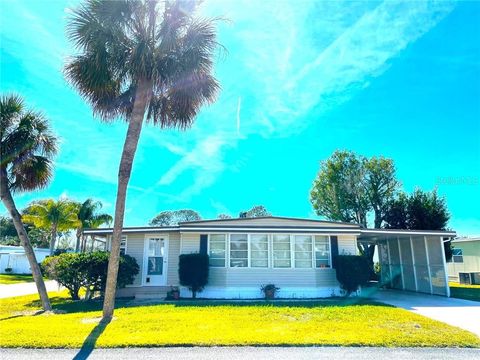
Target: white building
{"x": 13, "y": 257}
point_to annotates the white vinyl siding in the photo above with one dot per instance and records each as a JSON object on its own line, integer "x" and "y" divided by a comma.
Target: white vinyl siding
{"x": 190, "y": 243}
{"x": 135, "y": 244}
{"x": 347, "y": 245}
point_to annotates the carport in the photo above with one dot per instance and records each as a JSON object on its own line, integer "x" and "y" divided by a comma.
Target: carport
{"x": 411, "y": 260}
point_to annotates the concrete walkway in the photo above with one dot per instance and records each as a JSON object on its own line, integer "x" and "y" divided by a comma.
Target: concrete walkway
{"x": 464, "y": 314}
{"x": 20, "y": 289}
{"x": 245, "y": 353}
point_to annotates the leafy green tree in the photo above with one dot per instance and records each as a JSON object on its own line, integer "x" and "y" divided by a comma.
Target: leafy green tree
{"x": 88, "y": 216}
{"x": 396, "y": 216}
{"x": 381, "y": 186}
{"x": 223, "y": 216}
{"x": 137, "y": 60}
{"x": 349, "y": 187}
{"x": 52, "y": 215}
{"x": 8, "y": 234}
{"x": 173, "y": 217}
{"x": 339, "y": 191}
{"x": 27, "y": 148}
{"x": 256, "y": 211}
{"x": 419, "y": 211}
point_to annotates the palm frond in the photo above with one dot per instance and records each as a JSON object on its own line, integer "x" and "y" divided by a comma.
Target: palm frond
{"x": 28, "y": 145}
{"x": 122, "y": 42}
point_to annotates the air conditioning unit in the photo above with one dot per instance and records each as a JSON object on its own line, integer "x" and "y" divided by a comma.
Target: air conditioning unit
{"x": 472, "y": 278}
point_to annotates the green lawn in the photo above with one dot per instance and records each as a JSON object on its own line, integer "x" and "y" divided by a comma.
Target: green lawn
{"x": 207, "y": 323}
{"x": 468, "y": 292}
{"x": 6, "y": 279}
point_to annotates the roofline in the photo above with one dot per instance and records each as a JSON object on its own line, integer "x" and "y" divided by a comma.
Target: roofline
{"x": 270, "y": 217}
{"x": 462, "y": 239}
{"x": 406, "y": 232}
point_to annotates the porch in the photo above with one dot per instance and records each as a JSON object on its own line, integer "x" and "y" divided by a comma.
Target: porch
{"x": 411, "y": 260}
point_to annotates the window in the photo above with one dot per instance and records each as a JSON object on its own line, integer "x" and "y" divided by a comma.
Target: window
{"x": 303, "y": 251}
{"x": 259, "y": 250}
{"x": 457, "y": 255}
{"x": 217, "y": 250}
{"x": 281, "y": 251}
{"x": 156, "y": 249}
{"x": 322, "y": 252}
{"x": 123, "y": 245}
{"x": 238, "y": 250}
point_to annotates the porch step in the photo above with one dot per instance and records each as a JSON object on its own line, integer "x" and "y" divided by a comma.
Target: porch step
{"x": 143, "y": 295}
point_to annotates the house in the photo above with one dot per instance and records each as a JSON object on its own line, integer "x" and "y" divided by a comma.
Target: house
{"x": 294, "y": 254}
{"x": 13, "y": 257}
{"x": 466, "y": 257}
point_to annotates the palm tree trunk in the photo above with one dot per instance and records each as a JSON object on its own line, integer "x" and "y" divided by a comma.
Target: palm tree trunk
{"x": 53, "y": 239}
{"x": 9, "y": 203}
{"x": 142, "y": 98}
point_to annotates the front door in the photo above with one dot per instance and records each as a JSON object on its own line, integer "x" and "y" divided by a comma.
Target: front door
{"x": 155, "y": 261}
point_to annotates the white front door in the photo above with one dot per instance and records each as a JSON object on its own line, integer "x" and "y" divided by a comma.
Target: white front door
{"x": 155, "y": 261}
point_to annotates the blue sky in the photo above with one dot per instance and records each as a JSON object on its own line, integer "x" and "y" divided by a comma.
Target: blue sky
{"x": 300, "y": 80}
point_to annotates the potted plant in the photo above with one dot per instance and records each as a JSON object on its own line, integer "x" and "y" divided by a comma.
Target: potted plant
{"x": 269, "y": 291}
{"x": 173, "y": 293}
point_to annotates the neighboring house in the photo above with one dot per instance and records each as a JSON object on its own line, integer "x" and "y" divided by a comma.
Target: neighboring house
{"x": 14, "y": 257}
{"x": 294, "y": 254}
{"x": 466, "y": 257}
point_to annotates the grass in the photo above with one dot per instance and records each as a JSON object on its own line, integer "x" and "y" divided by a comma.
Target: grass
{"x": 467, "y": 292}
{"x": 333, "y": 323}
{"x": 7, "y": 279}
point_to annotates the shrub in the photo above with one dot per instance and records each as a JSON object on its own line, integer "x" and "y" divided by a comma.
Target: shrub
{"x": 88, "y": 271}
{"x": 8, "y": 270}
{"x": 193, "y": 272}
{"x": 352, "y": 272}
{"x": 67, "y": 270}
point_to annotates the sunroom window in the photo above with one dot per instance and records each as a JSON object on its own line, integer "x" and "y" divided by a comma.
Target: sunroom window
{"x": 303, "y": 251}
{"x": 259, "y": 250}
{"x": 217, "y": 247}
{"x": 281, "y": 251}
{"x": 322, "y": 251}
{"x": 238, "y": 250}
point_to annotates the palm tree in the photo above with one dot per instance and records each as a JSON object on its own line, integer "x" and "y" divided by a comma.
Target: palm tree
{"x": 51, "y": 215}
{"x": 88, "y": 218}
{"x": 27, "y": 148}
{"x": 141, "y": 60}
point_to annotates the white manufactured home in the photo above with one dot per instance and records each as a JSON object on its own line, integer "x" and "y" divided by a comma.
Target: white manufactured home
{"x": 294, "y": 254}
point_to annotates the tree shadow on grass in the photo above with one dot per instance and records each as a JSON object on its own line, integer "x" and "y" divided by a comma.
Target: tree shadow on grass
{"x": 89, "y": 343}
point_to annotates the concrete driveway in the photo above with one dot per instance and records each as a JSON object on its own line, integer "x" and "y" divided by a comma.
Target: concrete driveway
{"x": 24, "y": 289}
{"x": 464, "y": 314}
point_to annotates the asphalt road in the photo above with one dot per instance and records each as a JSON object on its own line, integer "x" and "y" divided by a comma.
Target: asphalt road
{"x": 244, "y": 353}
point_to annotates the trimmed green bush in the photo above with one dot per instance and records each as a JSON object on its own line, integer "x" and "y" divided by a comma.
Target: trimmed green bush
{"x": 352, "y": 272}
{"x": 88, "y": 271}
{"x": 193, "y": 272}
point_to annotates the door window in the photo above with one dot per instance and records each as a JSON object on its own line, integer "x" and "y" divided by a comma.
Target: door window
{"x": 156, "y": 248}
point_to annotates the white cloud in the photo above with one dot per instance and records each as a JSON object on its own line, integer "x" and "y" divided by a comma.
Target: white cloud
{"x": 205, "y": 160}
{"x": 311, "y": 54}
